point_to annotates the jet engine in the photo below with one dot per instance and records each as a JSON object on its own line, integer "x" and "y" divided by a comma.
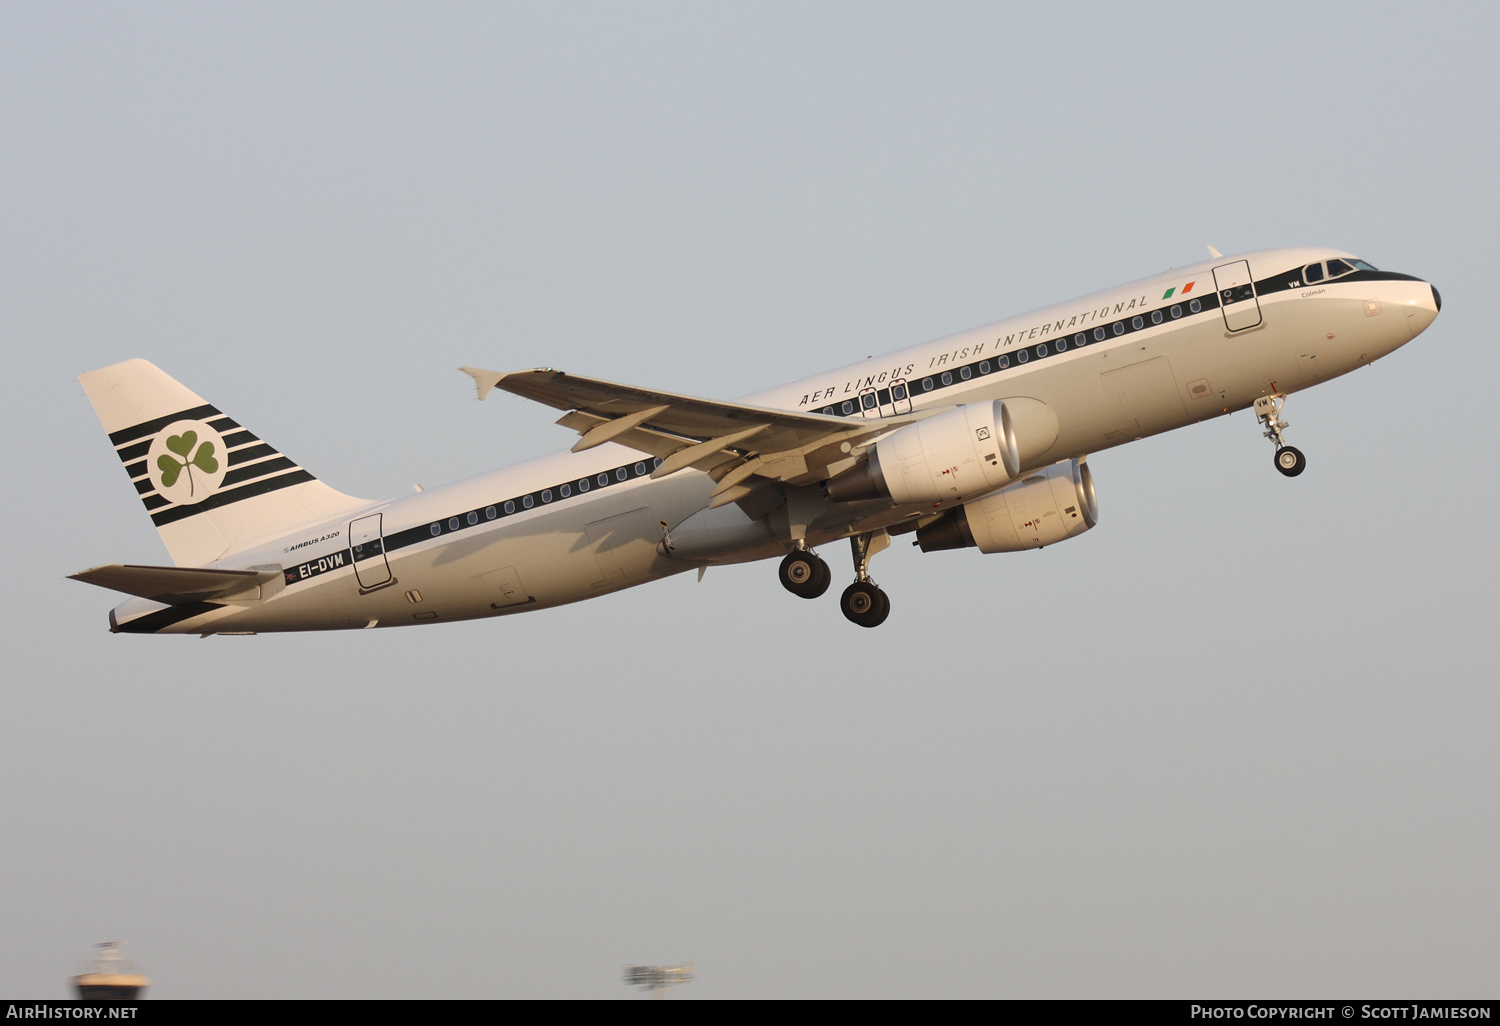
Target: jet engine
{"x": 969, "y": 450}
{"x": 1050, "y": 506}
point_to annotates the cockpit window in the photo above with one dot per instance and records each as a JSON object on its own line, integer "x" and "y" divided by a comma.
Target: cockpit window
{"x": 1312, "y": 273}
{"x": 1338, "y": 267}
{"x": 1363, "y": 265}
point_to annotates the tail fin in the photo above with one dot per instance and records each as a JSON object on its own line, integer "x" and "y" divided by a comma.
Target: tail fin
{"x": 211, "y": 487}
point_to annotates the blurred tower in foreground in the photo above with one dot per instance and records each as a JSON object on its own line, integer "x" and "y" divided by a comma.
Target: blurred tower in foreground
{"x": 657, "y": 978}
{"x": 107, "y": 978}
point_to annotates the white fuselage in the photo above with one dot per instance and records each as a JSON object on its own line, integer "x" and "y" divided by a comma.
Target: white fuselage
{"x": 597, "y": 518}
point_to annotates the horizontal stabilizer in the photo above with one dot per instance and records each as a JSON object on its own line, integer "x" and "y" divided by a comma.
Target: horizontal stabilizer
{"x": 179, "y": 586}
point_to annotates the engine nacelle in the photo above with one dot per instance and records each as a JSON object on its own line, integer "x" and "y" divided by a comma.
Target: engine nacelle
{"x": 1051, "y": 506}
{"x": 966, "y": 451}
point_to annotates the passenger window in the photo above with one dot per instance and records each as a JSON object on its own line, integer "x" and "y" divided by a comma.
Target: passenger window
{"x": 473, "y": 519}
{"x": 1195, "y": 306}
{"x": 1155, "y": 316}
{"x": 640, "y": 468}
{"x": 527, "y": 501}
{"x": 1041, "y": 350}
{"x": 848, "y": 407}
{"x": 1080, "y": 339}
{"x": 565, "y": 490}
{"x": 965, "y": 373}
{"x": 1176, "y": 312}
{"x": 947, "y": 378}
{"x": 927, "y": 384}
{"x": 1098, "y": 334}
{"x": 510, "y": 507}
{"x": 437, "y": 529}
{"x": 1023, "y": 355}
{"x": 603, "y": 479}
{"x": 1137, "y": 323}
{"x": 583, "y": 484}
{"x": 621, "y": 474}
{"x": 1004, "y": 362}
{"x": 546, "y": 494}
{"x": 489, "y": 512}
{"x": 1338, "y": 267}
{"x": 868, "y": 400}
{"x": 1312, "y": 273}
{"x": 1119, "y": 327}
{"x": 898, "y": 392}
{"x": 453, "y": 523}
{"x": 1062, "y": 345}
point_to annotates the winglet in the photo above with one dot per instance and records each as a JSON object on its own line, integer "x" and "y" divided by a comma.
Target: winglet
{"x": 484, "y": 380}
{"x": 1215, "y": 253}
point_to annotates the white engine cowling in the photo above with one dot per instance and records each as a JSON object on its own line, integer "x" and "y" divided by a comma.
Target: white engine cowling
{"x": 967, "y": 451}
{"x": 1048, "y": 507}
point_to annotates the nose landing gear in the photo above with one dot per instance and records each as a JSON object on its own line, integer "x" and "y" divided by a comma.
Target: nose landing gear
{"x": 1289, "y": 459}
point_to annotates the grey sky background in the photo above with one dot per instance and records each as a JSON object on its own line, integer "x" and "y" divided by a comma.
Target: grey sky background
{"x": 1239, "y": 740}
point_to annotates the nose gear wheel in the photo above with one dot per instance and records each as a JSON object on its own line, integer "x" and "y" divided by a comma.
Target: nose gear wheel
{"x": 1289, "y": 459}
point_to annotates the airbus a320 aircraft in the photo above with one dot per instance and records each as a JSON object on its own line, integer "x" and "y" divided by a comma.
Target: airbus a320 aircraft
{"x": 977, "y": 440}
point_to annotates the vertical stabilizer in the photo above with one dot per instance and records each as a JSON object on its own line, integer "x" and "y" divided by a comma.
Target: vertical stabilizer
{"x": 210, "y": 486}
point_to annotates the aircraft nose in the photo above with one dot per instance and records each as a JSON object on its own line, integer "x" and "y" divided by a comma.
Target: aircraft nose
{"x": 1422, "y": 306}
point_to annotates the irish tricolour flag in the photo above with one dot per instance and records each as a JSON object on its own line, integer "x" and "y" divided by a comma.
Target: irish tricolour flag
{"x": 1185, "y": 290}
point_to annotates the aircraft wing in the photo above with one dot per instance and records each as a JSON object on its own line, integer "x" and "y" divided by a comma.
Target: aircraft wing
{"x": 729, "y": 441}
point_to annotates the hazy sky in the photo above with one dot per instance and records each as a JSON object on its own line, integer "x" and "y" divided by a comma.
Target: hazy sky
{"x": 1238, "y": 741}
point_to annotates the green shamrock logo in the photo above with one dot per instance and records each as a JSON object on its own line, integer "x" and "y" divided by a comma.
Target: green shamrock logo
{"x": 182, "y": 445}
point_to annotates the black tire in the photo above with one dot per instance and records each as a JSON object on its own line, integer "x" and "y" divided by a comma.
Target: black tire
{"x": 864, "y": 604}
{"x": 821, "y": 581}
{"x": 804, "y": 574}
{"x": 1290, "y": 461}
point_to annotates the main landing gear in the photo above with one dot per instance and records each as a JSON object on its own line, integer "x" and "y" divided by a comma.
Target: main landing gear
{"x": 863, "y": 602}
{"x": 1289, "y": 459}
{"x": 805, "y": 575}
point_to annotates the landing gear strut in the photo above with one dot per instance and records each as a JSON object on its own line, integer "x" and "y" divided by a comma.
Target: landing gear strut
{"x": 863, "y": 602}
{"x": 1289, "y": 459}
{"x": 804, "y": 574}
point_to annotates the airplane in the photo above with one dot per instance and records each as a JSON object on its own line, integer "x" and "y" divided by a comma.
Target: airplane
{"x": 977, "y": 440}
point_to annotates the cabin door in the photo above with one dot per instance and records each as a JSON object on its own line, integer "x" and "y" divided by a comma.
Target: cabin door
{"x": 1237, "y": 295}
{"x": 367, "y": 546}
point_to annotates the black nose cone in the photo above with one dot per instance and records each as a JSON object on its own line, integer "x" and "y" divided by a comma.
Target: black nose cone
{"x": 1437, "y": 300}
